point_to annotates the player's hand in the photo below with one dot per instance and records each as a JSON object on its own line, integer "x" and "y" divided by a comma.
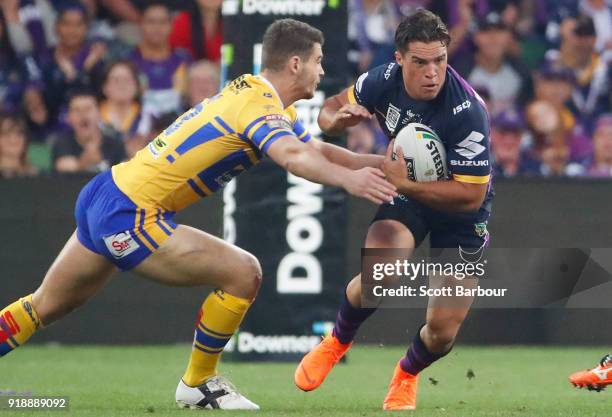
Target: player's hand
{"x": 349, "y": 115}
{"x": 395, "y": 170}
{"x": 96, "y": 53}
{"x": 369, "y": 183}
{"x": 64, "y": 64}
{"x": 10, "y": 9}
{"x": 91, "y": 155}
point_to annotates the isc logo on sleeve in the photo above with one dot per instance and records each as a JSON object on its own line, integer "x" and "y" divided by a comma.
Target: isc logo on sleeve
{"x": 121, "y": 244}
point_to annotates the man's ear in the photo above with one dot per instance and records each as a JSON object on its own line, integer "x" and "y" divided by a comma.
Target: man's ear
{"x": 295, "y": 63}
{"x": 398, "y": 58}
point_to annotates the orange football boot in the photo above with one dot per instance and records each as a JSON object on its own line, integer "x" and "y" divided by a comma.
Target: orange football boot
{"x": 595, "y": 379}
{"x": 314, "y": 367}
{"x": 402, "y": 391}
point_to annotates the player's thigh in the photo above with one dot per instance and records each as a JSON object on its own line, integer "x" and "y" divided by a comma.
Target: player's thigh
{"x": 381, "y": 234}
{"x": 76, "y": 275}
{"x": 191, "y": 257}
{"x": 402, "y": 224}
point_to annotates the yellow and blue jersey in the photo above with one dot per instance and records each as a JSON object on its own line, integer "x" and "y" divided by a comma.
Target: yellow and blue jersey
{"x": 208, "y": 146}
{"x": 128, "y": 215}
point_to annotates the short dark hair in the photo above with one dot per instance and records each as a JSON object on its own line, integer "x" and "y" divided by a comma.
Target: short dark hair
{"x": 72, "y": 6}
{"x": 585, "y": 26}
{"x": 421, "y": 26}
{"x": 155, "y": 3}
{"x": 286, "y": 38}
{"x": 78, "y": 92}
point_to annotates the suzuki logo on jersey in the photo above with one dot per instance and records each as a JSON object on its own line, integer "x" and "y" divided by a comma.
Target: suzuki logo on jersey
{"x": 393, "y": 116}
{"x": 121, "y": 244}
{"x": 484, "y": 163}
{"x": 470, "y": 147}
{"x": 463, "y": 106}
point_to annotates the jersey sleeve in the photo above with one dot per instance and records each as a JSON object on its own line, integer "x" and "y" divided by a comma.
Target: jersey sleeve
{"x": 367, "y": 89}
{"x": 301, "y": 132}
{"x": 263, "y": 125}
{"x": 468, "y": 150}
{"x": 298, "y": 128}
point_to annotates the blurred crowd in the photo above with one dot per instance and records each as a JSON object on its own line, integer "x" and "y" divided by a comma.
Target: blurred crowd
{"x": 85, "y": 84}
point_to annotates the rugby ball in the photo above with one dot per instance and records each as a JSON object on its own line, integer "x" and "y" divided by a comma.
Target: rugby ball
{"x": 424, "y": 153}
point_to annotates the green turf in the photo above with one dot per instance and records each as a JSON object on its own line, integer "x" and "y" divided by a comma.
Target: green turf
{"x": 140, "y": 381}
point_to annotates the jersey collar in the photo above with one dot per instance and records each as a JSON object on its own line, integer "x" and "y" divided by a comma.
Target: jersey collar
{"x": 261, "y": 77}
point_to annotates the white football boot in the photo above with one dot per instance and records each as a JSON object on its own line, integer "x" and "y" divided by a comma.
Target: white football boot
{"x": 216, "y": 393}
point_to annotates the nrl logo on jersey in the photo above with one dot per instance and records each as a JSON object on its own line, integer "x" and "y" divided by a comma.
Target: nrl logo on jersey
{"x": 392, "y": 118}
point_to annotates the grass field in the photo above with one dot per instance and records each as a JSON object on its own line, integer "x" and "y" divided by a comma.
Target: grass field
{"x": 140, "y": 381}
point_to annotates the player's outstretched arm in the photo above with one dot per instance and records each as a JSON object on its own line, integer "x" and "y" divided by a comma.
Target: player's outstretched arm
{"x": 441, "y": 195}
{"x": 337, "y": 114}
{"x": 342, "y": 156}
{"x": 305, "y": 161}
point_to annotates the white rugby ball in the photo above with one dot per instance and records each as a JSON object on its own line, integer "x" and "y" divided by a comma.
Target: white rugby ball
{"x": 424, "y": 153}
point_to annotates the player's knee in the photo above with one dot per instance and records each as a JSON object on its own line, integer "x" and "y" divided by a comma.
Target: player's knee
{"x": 252, "y": 273}
{"x": 387, "y": 234}
{"x": 443, "y": 333}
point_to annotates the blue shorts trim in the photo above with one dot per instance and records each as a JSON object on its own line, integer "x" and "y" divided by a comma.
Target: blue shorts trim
{"x": 111, "y": 225}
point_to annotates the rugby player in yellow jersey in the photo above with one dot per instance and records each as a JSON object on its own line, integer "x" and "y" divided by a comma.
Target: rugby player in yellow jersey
{"x": 125, "y": 216}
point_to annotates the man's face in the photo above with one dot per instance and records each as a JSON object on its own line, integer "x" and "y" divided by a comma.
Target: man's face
{"x": 506, "y": 144}
{"x": 71, "y": 29}
{"x": 311, "y": 71}
{"x": 423, "y": 68}
{"x": 493, "y": 43}
{"x": 83, "y": 115}
{"x": 12, "y": 140}
{"x": 120, "y": 84}
{"x": 585, "y": 47}
{"x": 556, "y": 91}
{"x": 156, "y": 26}
{"x": 202, "y": 83}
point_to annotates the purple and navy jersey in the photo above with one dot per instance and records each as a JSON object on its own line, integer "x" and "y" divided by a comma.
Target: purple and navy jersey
{"x": 162, "y": 81}
{"x": 458, "y": 115}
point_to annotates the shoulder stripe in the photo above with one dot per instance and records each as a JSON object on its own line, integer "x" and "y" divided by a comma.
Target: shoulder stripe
{"x": 351, "y": 95}
{"x": 472, "y": 179}
{"x": 252, "y": 124}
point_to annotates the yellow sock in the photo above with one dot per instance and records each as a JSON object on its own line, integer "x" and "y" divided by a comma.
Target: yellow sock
{"x": 18, "y": 322}
{"x": 220, "y": 316}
